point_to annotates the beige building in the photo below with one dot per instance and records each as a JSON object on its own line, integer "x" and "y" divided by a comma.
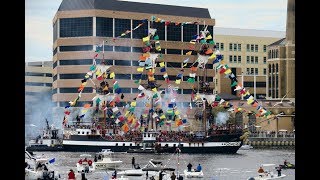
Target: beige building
{"x": 245, "y": 52}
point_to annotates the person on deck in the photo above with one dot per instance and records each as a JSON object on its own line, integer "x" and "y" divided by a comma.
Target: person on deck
{"x": 279, "y": 170}
{"x": 173, "y": 176}
{"x": 260, "y": 171}
{"x": 133, "y": 162}
{"x": 189, "y": 167}
{"x": 199, "y": 168}
{"x": 71, "y": 175}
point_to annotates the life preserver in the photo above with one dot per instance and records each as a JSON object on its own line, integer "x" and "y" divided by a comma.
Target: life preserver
{"x": 89, "y": 162}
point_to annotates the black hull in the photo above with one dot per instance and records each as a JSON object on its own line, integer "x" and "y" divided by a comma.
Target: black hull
{"x": 48, "y": 148}
{"x": 191, "y": 150}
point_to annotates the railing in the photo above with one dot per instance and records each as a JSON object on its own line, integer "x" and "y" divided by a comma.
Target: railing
{"x": 272, "y": 135}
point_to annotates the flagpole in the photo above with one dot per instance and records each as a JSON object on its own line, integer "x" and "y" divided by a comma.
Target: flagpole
{"x": 103, "y": 50}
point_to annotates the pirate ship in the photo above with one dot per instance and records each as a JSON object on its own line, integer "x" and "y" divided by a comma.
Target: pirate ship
{"x": 121, "y": 131}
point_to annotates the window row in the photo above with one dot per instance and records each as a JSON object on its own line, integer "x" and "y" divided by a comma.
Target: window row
{"x": 38, "y": 84}
{"x": 38, "y": 74}
{"x": 234, "y": 47}
{"x": 234, "y": 59}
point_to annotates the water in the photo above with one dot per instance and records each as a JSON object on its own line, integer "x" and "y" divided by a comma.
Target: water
{"x": 238, "y": 166}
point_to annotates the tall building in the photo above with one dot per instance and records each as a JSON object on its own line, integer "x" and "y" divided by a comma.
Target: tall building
{"x": 38, "y": 96}
{"x": 281, "y": 60}
{"x": 80, "y": 25}
{"x": 245, "y": 51}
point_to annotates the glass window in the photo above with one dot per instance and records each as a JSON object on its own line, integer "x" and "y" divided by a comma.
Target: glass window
{"x": 122, "y": 62}
{"x": 252, "y": 71}
{"x": 189, "y": 30}
{"x": 48, "y": 74}
{"x": 33, "y": 84}
{"x": 33, "y": 74}
{"x": 135, "y": 63}
{"x": 209, "y": 79}
{"x": 173, "y": 65}
{"x": 256, "y": 59}
{"x": 76, "y": 27}
{"x": 256, "y": 71}
{"x": 54, "y": 78}
{"x": 54, "y": 91}
{"x": 72, "y": 76}
{"x": 234, "y": 47}
{"x": 75, "y": 90}
{"x": 264, "y": 48}
{"x": 122, "y": 49}
{"x": 235, "y": 59}
{"x": 248, "y": 47}
{"x": 123, "y": 76}
{"x": 106, "y": 61}
{"x": 135, "y": 90}
{"x": 239, "y": 47}
{"x": 76, "y": 62}
{"x": 230, "y": 58}
{"x": 137, "y": 49}
{"x": 141, "y": 32}
{"x": 264, "y": 60}
{"x": 55, "y": 64}
{"x": 252, "y": 59}
{"x": 264, "y": 71}
{"x": 172, "y": 78}
{"x": 261, "y": 84}
{"x": 64, "y": 104}
{"x": 239, "y": 59}
{"x": 248, "y": 59}
{"x": 222, "y": 46}
{"x": 209, "y": 66}
{"x": 256, "y": 47}
{"x": 76, "y": 48}
{"x": 187, "y": 91}
{"x": 104, "y": 27}
{"x": 106, "y": 48}
{"x": 174, "y": 51}
{"x": 248, "y": 84}
{"x": 55, "y": 31}
{"x": 252, "y": 47}
{"x": 193, "y": 52}
{"x": 125, "y": 90}
{"x": 217, "y": 46}
{"x": 121, "y": 25}
{"x": 160, "y": 29}
{"x": 230, "y": 46}
{"x": 248, "y": 70}
{"x": 173, "y": 32}
{"x": 54, "y": 52}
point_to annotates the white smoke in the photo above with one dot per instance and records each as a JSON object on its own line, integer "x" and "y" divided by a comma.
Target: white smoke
{"x": 222, "y": 117}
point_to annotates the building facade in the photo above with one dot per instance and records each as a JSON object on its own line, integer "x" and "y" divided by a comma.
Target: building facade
{"x": 245, "y": 51}
{"x": 80, "y": 25}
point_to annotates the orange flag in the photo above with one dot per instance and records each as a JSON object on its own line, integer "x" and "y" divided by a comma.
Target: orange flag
{"x": 125, "y": 128}
{"x": 87, "y": 106}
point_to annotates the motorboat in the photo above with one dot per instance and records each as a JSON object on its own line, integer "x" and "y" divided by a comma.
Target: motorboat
{"x": 152, "y": 167}
{"x": 85, "y": 164}
{"x": 105, "y": 160}
{"x": 246, "y": 147}
{"x": 268, "y": 173}
{"x": 193, "y": 174}
{"x": 287, "y": 166}
{"x": 38, "y": 168}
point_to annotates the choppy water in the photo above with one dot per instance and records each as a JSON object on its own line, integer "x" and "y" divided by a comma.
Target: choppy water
{"x": 238, "y": 166}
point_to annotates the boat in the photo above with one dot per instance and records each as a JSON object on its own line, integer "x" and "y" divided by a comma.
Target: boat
{"x": 268, "y": 173}
{"x": 105, "y": 160}
{"x": 193, "y": 174}
{"x": 138, "y": 171}
{"x": 85, "y": 164}
{"x": 288, "y": 166}
{"x": 246, "y": 147}
{"x": 148, "y": 136}
{"x": 38, "y": 168}
{"x": 49, "y": 140}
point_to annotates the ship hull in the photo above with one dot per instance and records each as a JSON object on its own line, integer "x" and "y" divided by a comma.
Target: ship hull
{"x": 194, "y": 147}
{"x": 45, "y": 148}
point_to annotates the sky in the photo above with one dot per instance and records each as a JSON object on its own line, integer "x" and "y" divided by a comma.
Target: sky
{"x": 244, "y": 14}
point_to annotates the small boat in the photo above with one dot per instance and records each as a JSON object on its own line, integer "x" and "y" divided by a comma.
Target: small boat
{"x": 193, "y": 174}
{"x": 105, "y": 160}
{"x": 85, "y": 164}
{"x": 246, "y": 147}
{"x": 268, "y": 173}
{"x": 288, "y": 166}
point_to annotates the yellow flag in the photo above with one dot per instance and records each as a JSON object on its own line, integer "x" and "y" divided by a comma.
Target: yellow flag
{"x": 145, "y": 39}
{"x": 98, "y": 72}
{"x": 140, "y": 69}
{"x": 151, "y": 78}
{"x": 162, "y": 116}
{"x": 209, "y": 37}
{"x": 213, "y": 56}
{"x": 189, "y": 53}
{"x": 176, "y": 112}
{"x": 161, "y": 64}
{"x": 112, "y": 75}
{"x": 228, "y": 71}
{"x": 178, "y": 81}
{"x": 133, "y": 103}
{"x": 105, "y": 88}
{"x": 146, "y": 55}
{"x": 249, "y": 101}
{"x": 154, "y": 90}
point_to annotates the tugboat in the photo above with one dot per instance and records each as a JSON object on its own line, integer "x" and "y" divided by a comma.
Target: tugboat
{"x": 48, "y": 141}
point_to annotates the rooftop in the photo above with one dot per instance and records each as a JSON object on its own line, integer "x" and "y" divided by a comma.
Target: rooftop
{"x": 116, "y": 5}
{"x": 249, "y": 32}
{"x": 279, "y": 42}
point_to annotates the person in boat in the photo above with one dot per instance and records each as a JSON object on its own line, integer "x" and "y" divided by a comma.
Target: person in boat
{"x": 114, "y": 174}
{"x": 161, "y": 175}
{"x": 279, "y": 170}
{"x": 99, "y": 157}
{"x": 260, "y": 171}
{"x": 199, "y": 168}
{"x": 83, "y": 175}
{"x": 285, "y": 162}
{"x": 95, "y": 158}
{"x": 173, "y": 176}
{"x": 71, "y": 175}
{"x": 180, "y": 178}
{"x": 189, "y": 166}
{"x": 133, "y": 162}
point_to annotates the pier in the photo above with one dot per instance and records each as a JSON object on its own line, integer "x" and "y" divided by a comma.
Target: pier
{"x": 271, "y": 139}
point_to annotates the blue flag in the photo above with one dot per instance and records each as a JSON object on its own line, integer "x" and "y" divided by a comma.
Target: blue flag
{"x": 52, "y": 160}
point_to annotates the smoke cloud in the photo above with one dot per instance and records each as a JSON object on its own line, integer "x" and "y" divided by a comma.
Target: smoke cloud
{"x": 222, "y": 117}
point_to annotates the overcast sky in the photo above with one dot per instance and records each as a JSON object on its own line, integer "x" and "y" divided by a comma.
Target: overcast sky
{"x": 246, "y": 14}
